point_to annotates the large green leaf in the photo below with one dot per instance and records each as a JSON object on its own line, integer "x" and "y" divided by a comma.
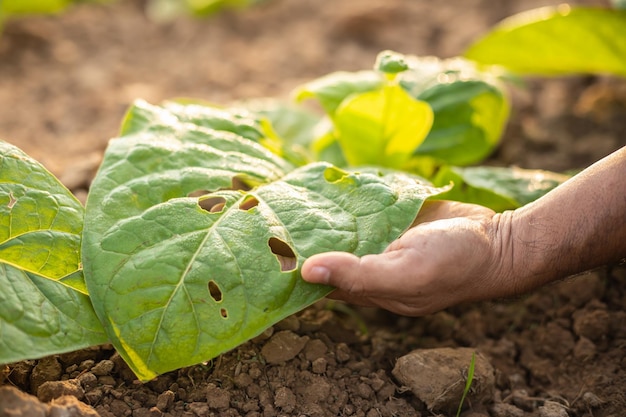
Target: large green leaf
{"x": 40, "y": 220}
{"x": 43, "y": 305}
{"x": 382, "y": 127}
{"x": 557, "y": 40}
{"x": 471, "y": 108}
{"x": 499, "y": 188}
{"x": 178, "y": 278}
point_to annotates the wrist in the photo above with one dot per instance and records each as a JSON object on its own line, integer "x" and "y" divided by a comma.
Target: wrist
{"x": 520, "y": 245}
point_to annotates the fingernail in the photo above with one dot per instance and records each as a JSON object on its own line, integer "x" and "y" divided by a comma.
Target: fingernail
{"x": 319, "y": 275}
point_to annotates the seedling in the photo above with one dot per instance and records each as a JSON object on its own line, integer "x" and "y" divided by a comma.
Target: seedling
{"x": 468, "y": 382}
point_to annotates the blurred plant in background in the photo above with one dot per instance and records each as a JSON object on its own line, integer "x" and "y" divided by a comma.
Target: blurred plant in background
{"x": 169, "y": 9}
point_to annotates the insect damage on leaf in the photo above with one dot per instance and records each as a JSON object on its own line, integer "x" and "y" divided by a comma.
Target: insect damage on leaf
{"x": 248, "y": 203}
{"x": 214, "y": 291}
{"x": 285, "y": 255}
{"x": 212, "y": 204}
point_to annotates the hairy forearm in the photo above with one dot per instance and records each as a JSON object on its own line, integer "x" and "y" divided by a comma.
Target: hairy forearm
{"x": 576, "y": 227}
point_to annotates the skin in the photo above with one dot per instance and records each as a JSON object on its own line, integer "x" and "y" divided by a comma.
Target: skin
{"x": 458, "y": 253}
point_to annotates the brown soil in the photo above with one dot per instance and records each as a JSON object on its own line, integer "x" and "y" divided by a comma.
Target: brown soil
{"x": 65, "y": 83}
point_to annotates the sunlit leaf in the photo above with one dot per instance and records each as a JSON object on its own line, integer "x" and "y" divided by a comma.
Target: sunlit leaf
{"x": 185, "y": 261}
{"x": 557, "y": 40}
{"x": 382, "y": 127}
{"x": 44, "y": 308}
{"x": 334, "y": 88}
{"x": 470, "y": 108}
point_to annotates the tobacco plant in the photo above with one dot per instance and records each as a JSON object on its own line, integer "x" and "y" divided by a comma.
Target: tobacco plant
{"x": 199, "y": 218}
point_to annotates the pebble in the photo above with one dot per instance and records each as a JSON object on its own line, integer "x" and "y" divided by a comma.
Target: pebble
{"x": 283, "y": 346}
{"x": 552, "y": 409}
{"x": 505, "y": 410}
{"x": 50, "y": 390}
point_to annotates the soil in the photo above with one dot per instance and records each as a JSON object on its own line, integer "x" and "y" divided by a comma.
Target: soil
{"x": 65, "y": 82}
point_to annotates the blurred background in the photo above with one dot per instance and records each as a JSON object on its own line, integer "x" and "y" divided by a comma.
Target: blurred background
{"x": 66, "y": 79}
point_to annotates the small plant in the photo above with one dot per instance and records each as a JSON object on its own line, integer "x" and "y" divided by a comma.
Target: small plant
{"x": 199, "y": 218}
{"x": 468, "y": 383}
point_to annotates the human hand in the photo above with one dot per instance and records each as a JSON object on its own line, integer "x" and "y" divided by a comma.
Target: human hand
{"x": 451, "y": 255}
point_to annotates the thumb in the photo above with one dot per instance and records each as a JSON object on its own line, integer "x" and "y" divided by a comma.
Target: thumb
{"x": 349, "y": 273}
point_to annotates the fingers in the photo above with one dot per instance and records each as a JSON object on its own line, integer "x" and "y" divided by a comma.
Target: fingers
{"x": 353, "y": 276}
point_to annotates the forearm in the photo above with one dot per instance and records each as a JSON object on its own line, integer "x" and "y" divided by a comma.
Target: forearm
{"x": 576, "y": 227}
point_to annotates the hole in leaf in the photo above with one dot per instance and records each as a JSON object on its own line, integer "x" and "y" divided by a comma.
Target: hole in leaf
{"x": 212, "y": 204}
{"x": 248, "y": 203}
{"x": 224, "y": 313}
{"x": 285, "y": 255}
{"x": 215, "y": 291}
{"x": 198, "y": 193}
{"x": 334, "y": 174}
{"x": 12, "y": 200}
{"x": 238, "y": 184}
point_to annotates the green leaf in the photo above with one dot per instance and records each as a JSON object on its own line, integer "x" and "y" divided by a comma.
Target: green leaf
{"x": 294, "y": 124}
{"x": 382, "y": 127}
{"x": 144, "y": 116}
{"x": 557, "y": 40}
{"x": 41, "y": 317}
{"x": 331, "y": 90}
{"x": 470, "y": 108}
{"x": 32, "y": 6}
{"x": 498, "y": 188}
{"x": 44, "y": 308}
{"x": 207, "y": 273}
{"x": 40, "y": 220}
{"x": 390, "y": 62}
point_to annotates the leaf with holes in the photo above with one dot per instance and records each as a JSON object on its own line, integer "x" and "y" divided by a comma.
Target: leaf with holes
{"x": 43, "y": 305}
{"x": 193, "y": 243}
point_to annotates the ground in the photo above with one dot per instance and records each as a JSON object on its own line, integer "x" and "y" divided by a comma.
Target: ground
{"x": 65, "y": 83}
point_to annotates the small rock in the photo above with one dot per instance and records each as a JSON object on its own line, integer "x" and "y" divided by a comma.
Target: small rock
{"x": 288, "y": 323}
{"x": 165, "y": 400}
{"x": 217, "y": 398}
{"x": 103, "y": 368}
{"x": 315, "y": 349}
{"x": 283, "y": 346}
{"x": 15, "y": 403}
{"x": 594, "y": 324}
{"x": 88, "y": 381}
{"x": 584, "y": 349}
{"x": 285, "y": 399}
{"x": 54, "y": 389}
{"x": 552, "y": 409}
{"x": 319, "y": 365}
{"x": 200, "y": 409}
{"x": 505, "y": 410}
{"x": 47, "y": 369}
{"x": 69, "y": 406}
{"x": 438, "y": 376}
{"x": 342, "y": 352}
{"x": 592, "y": 400}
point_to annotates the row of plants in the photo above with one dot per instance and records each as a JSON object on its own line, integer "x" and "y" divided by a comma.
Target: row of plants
{"x": 156, "y": 9}
{"x": 200, "y": 217}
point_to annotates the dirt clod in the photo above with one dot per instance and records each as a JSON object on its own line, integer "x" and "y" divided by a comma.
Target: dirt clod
{"x": 283, "y": 346}
{"x": 54, "y": 389}
{"x": 438, "y": 376}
